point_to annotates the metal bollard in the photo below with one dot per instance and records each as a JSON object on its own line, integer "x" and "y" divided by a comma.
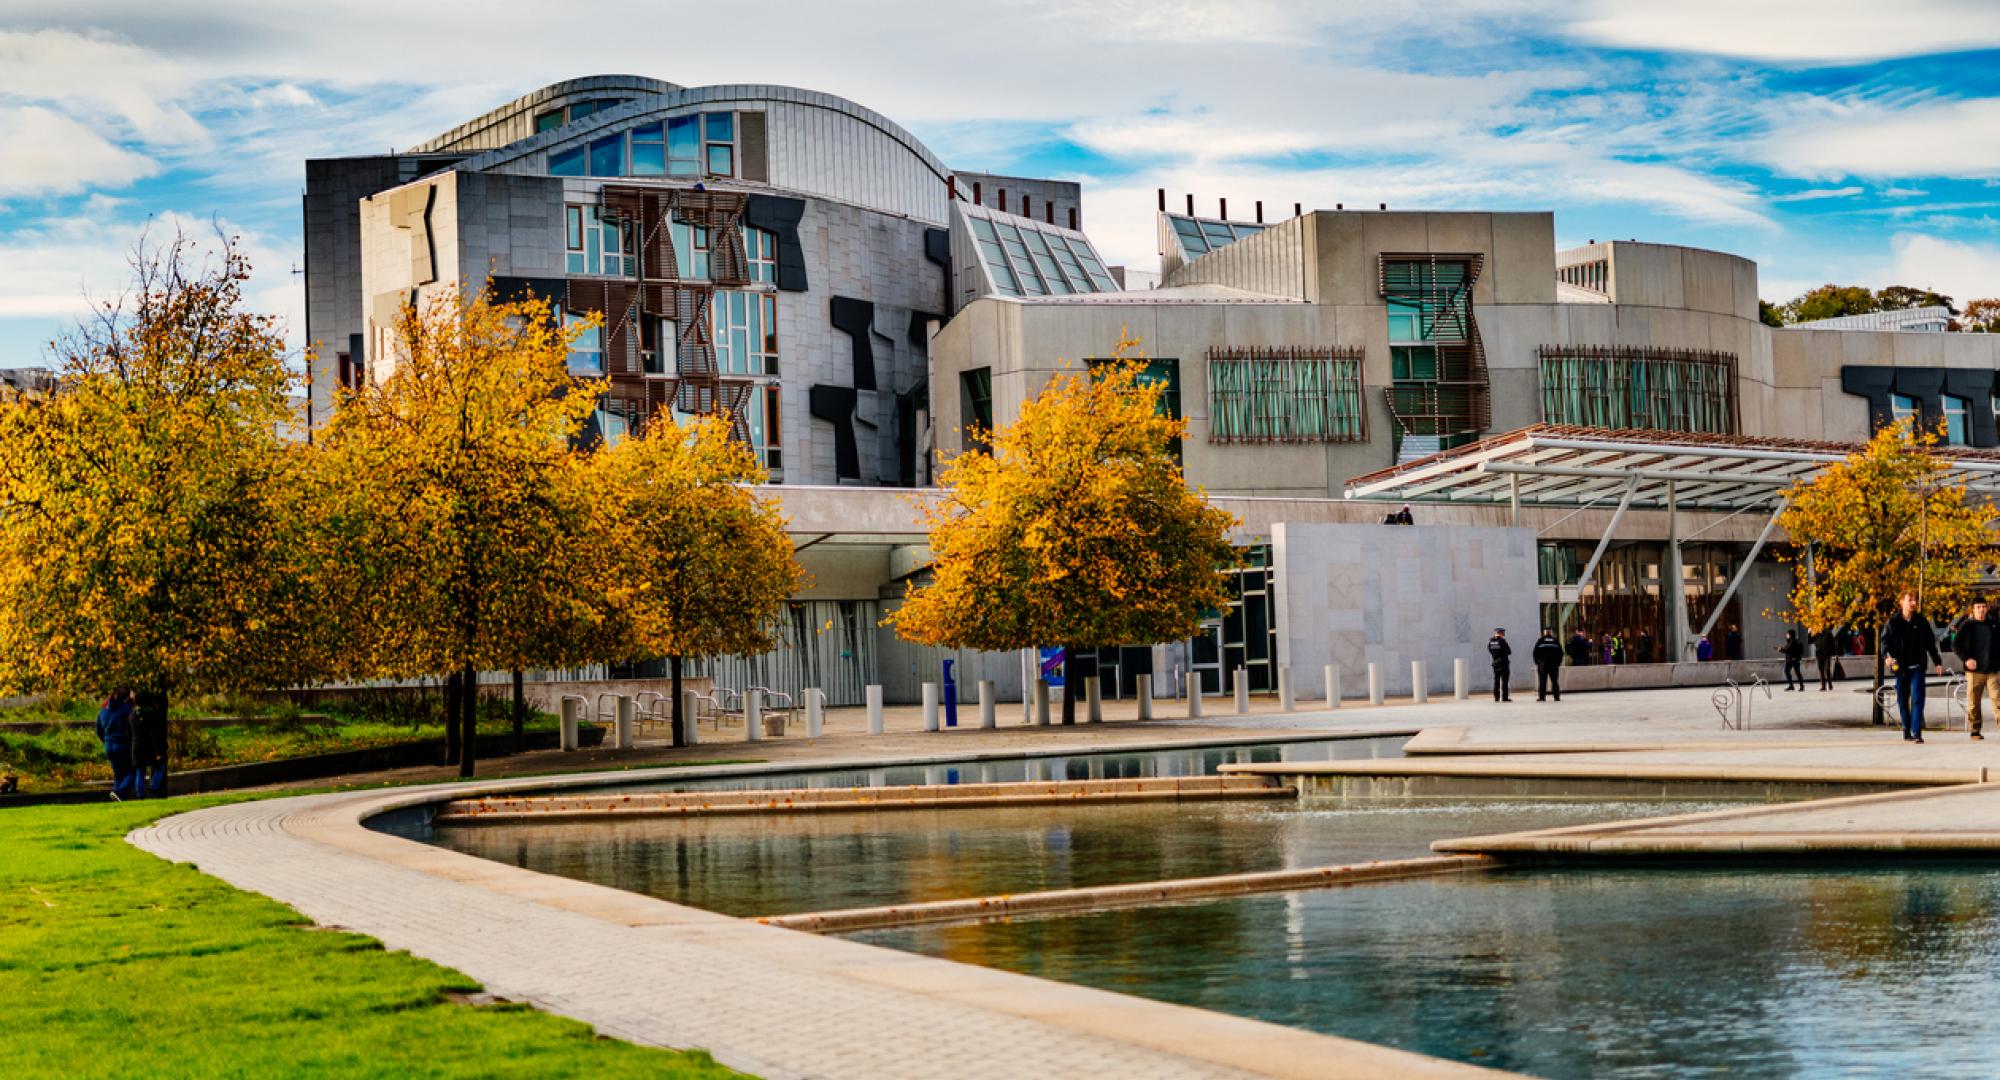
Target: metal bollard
{"x": 1241, "y": 686}
{"x": 875, "y": 710}
{"x": 1332, "y": 686}
{"x": 1285, "y": 702}
{"x": 1194, "y": 695}
{"x": 1041, "y": 703}
{"x": 1418, "y": 688}
{"x": 1461, "y": 679}
{"x": 624, "y": 729}
{"x": 569, "y": 708}
{"x": 1374, "y": 682}
{"x": 689, "y": 729}
{"x": 753, "y": 714}
{"x": 930, "y": 706}
{"x": 989, "y": 713}
{"x": 815, "y": 713}
{"x": 1093, "y": 698}
{"x": 1145, "y": 688}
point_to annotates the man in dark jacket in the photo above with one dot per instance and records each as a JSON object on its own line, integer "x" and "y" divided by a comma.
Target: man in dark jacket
{"x": 1975, "y": 645}
{"x": 1794, "y": 652}
{"x": 1579, "y": 649}
{"x": 1732, "y": 643}
{"x": 1548, "y": 658}
{"x": 1642, "y": 648}
{"x": 1825, "y": 650}
{"x": 1908, "y": 641}
{"x": 114, "y": 730}
{"x": 149, "y": 744}
{"x": 1502, "y": 655}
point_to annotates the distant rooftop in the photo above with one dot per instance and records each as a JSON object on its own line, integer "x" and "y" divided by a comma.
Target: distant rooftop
{"x": 1935, "y": 319}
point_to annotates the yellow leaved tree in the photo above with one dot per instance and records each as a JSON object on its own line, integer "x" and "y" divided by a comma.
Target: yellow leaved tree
{"x": 1076, "y": 529}
{"x": 1886, "y": 520}
{"x": 150, "y": 528}
{"x": 692, "y": 561}
{"x": 454, "y": 502}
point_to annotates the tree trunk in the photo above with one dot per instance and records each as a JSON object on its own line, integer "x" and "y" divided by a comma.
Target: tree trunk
{"x": 1875, "y": 697}
{"x": 469, "y": 681}
{"x": 1069, "y": 686}
{"x": 680, "y": 721}
{"x": 451, "y": 719}
{"x": 520, "y": 714}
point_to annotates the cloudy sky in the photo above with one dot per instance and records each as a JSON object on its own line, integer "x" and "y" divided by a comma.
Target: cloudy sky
{"x": 1830, "y": 140}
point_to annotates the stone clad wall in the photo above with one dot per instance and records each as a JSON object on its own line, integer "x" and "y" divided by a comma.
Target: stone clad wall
{"x": 1355, "y": 594}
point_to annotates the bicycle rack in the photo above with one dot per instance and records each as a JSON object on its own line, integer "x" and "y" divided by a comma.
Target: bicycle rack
{"x": 1738, "y": 699}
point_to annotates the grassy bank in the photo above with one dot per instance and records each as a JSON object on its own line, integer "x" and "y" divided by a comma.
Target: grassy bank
{"x": 117, "y": 963}
{"x": 71, "y": 756}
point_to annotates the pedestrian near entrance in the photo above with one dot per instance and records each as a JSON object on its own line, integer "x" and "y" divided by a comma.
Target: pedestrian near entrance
{"x": 1822, "y": 647}
{"x": 1503, "y": 663}
{"x": 1978, "y": 647}
{"x": 1794, "y": 651}
{"x": 1703, "y": 651}
{"x": 1642, "y": 648}
{"x": 1908, "y": 641}
{"x": 1732, "y": 643}
{"x": 1548, "y": 658}
{"x": 1579, "y": 649}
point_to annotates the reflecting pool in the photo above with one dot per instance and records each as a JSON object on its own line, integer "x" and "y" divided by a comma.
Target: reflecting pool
{"x": 771, "y": 864}
{"x": 1571, "y": 973}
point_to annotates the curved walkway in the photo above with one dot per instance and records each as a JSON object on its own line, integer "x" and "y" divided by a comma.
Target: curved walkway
{"x": 773, "y": 1002}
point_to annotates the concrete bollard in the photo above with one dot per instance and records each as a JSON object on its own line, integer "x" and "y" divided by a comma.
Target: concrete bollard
{"x": 1145, "y": 689}
{"x": 815, "y": 713}
{"x": 1285, "y": 702}
{"x": 930, "y": 706}
{"x": 1041, "y": 703}
{"x": 570, "y": 707}
{"x": 989, "y": 713}
{"x": 1461, "y": 679}
{"x": 689, "y": 729}
{"x": 1374, "y": 682}
{"x": 753, "y": 714}
{"x": 623, "y": 732}
{"x": 1242, "y": 689}
{"x": 1093, "y": 699}
{"x": 1418, "y": 689}
{"x": 1194, "y": 695}
{"x": 1332, "y": 686}
{"x": 875, "y": 710}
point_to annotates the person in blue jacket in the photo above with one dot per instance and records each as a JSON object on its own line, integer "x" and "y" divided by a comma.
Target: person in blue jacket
{"x": 114, "y": 730}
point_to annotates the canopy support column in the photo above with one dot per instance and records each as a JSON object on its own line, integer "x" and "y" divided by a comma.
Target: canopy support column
{"x": 1590, "y": 568}
{"x": 1744, "y": 570}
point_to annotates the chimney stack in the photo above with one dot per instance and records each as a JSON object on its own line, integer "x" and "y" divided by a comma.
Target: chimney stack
{"x": 1163, "y": 200}
{"x": 1260, "y": 211}
{"x": 1190, "y": 196}
{"x": 1224, "y": 212}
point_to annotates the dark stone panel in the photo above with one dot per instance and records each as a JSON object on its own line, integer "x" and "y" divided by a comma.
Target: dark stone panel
{"x": 780, "y": 216}
{"x": 937, "y": 248}
{"x": 1873, "y": 383}
{"x": 856, "y": 319}
{"x": 1927, "y": 385}
{"x": 835, "y": 405}
{"x": 918, "y": 319}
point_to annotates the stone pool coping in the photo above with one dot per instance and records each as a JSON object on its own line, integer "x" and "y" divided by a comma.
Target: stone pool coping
{"x": 766, "y": 1000}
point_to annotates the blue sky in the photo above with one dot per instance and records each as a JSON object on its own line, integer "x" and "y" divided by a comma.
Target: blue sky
{"x": 1829, "y": 141}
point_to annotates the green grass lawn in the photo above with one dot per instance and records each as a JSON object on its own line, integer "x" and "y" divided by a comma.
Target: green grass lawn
{"x": 116, "y": 963}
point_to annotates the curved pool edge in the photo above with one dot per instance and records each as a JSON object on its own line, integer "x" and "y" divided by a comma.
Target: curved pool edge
{"x": 769, "y": 1001}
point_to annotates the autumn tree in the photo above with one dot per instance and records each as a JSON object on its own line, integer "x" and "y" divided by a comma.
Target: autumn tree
{"x": 1982, "y": 316}
{"x": 1885, "y": 520}
{"x": 1903, "y": 297}
{"x": 453, "y": 498}
{"x": 1075, "y": 529}
{"x": 690, "y": 560}
{"x": 149, "y": 520}
{"x": 1830, "y": 302}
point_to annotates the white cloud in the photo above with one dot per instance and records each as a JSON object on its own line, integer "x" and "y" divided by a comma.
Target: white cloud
{"x": 1791, "y": 31}
{"x": 1815, "y": 194}
{"x": 97, "y": 77}
{"x": 1960, "y": 270}
{"x": 48, "y": 153}
{"x": 1830, "y": 139}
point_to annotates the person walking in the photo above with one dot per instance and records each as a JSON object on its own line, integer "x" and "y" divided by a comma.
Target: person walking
{"x": 1642, "y": 648}
{"x": 114, "y": 730}
{"x": 1908, "y": 641}
{"x": 149, "y": 744}
{"x": 1502, "y": 655}
{"x": 1732, "y": 643}
{"x": 1794, "y": 651}
{"x": 1579, "y": 649}
{"x": 1823, "y": 652}
{"x": 1978, "y": 647}
{"x": 1703, "y": 651}
{"x": 1548, "y": 657}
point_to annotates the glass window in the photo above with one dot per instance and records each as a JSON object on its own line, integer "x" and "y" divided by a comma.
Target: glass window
{"x": 762, "y": 410}
{"x": 1413, "y": 362}
{"x": 721, "y": 159}
{"x": 1045, "y": 263}
{"x": 691, "y": 250}
{"x": 1163, "y": 372}
{"x": 1190, "y": 234}
{"x": 566, "y": 162}
{"x": 597, "y": 245}
{"x": 607, "y": 156}
{"x": 1305, "y": 396}
{"x": 996, "y": 259}
{"x": 649, "y": 150}
{"x": 549, "y": 121}
{"x": 586, "y": 355}
{"x": 975, "y": 407}
{"x": 737, "y": 321}
{"x": 1902, "y": 407}
{"x": 573, "y": 238}
{"x": 761, "y": 248}
{"x": 1957, "y": 421}
{"x": 684, "y": 146}
{"x": 719, "y": 126}
{"x": 767, "y": 345}
{"x": 582, "y": 109}
{"x": 1646, "y": 389}
{"x": 1405, "y": 321}
{"x": 612, "y": 422}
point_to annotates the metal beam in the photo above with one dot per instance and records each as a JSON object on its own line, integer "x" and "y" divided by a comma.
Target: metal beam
{"x": 1742, "y": 571}
{"x": 1590, "y": 568}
